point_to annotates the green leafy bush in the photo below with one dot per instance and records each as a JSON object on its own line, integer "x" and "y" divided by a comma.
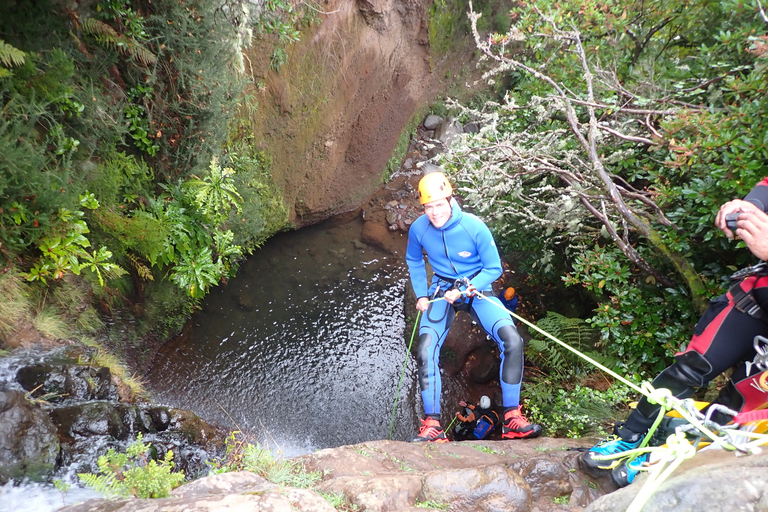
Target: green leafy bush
{"x": 618, "y": 169}
{"x": 133, "y": 473}
{"x": 574, "y": 412}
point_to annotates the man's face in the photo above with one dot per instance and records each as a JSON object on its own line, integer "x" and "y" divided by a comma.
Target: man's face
{"x": 438, "y": 212}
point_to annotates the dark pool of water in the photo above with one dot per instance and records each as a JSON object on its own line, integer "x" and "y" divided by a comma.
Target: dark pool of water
{"x": 303, "y": 349}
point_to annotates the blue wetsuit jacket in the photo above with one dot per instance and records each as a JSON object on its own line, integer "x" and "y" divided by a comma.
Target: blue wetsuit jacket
{"x": 463, "y": 247}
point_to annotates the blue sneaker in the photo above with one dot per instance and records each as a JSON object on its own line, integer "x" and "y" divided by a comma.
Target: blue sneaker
{"x": 625, "y": 473}
{"x": 600, "y": 455}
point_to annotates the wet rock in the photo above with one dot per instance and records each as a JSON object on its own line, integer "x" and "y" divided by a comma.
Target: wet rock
{"x": 88, "y": 419}
{"x": 44, "y": 380}
{"x": 432, "y": 121}
{"x": 472, "y": 128}
{"x": 448, "y": 131}
{"x": 428, "y": 167}
{"x": 547, "y": 477}
{"x": 240, "y": 491}
{"x": 485, "y": 489}
{"x": 468, "y": 476}
{"x": 88, "y": 383}
{"x": 69, "y": 382}
{"x": 712, "y": 480}
{"x": 196, "y": 430}
{"x": 377, "y": 493}
{"x": 161, "y": 417}
{"x": 484, "y": 366}
{"x": 28, "y": 443}
{"x": 136, "y": 419}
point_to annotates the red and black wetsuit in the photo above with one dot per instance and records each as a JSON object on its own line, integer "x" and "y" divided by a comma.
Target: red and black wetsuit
{"x": 723, "y": 339}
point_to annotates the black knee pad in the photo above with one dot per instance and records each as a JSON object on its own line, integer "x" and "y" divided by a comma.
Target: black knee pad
{"x": 422, "y": 357}
{"x": 691, "y": 369}
{"x": 512, "y": 371}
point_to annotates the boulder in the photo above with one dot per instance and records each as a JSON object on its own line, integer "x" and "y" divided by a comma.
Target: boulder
{"x": 448, "y": 131}
{"x": 469, "y": 475}
{"x": 481, "y": 489}
{"x": 28, "y": 443}
{"x": 88, "y": 419}
{"x": 711, "y": 480}
{"x": 67, "y": 382}
{"x": 432, "y": 121}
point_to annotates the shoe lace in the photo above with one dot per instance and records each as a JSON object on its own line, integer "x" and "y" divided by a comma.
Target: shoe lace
{"x": 429, "y": 429}
{"x": 610, "y": 438}
{"x": 517, "y": 421}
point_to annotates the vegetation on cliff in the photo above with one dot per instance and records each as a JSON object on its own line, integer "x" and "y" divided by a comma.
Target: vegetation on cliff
{"x": 116, "y": 162}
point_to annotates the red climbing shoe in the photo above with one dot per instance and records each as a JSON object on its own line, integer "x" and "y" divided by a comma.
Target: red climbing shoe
{"x": 431, "y": 431}
{"x": 516, "y": 426}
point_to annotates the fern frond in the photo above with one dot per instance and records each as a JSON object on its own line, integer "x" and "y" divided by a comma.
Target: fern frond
{"x": 113, "y": 272}
{"x": 140, "y": 53}
{"x": 574, "y": 332}
{"x": 99, "y": 29}
{"x": 102, "y": 484}
{"x": 108, "y": 36}
{"x": 141, "y": 269}
{"x": 11, "y": 56}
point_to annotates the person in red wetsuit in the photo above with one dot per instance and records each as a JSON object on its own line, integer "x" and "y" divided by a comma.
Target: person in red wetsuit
{"x": 728, "y": 335}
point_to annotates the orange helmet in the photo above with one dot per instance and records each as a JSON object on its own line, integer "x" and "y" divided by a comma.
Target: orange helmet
{"x": 434, "y": 186}
{"x": 509, "y": 293}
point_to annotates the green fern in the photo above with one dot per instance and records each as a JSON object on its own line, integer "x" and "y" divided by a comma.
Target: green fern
{"x": 109, "y": 37}
{"x": 10, "y": 56}
{"x": 102, "y": 484}
{"x": 133, "y": 474}
{"x": 574, "y": 332}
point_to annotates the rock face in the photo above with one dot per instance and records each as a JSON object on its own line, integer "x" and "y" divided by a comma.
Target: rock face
{"x": 712, "y": 480}
{"x": 383, "y": 476}
{"x": 55, "y": 417}
{"x": 331, "y": 116}
{"x": 233, "y": 492}
{"x": 537, "y": 475}
{"x": 28, "y": 442}
{"x": 471, "y": 475}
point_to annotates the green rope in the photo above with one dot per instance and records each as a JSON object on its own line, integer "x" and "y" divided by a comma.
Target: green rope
{"x": 402, "y": 373}
{"x": 450, "y": 424}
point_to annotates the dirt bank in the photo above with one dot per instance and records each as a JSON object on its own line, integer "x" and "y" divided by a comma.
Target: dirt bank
{"x": 332, "y": 115}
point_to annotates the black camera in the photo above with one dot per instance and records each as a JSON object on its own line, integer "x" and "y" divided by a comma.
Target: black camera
{"x": 731, "y": 219}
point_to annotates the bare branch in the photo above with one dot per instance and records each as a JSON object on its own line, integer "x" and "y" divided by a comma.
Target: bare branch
{"x": 762, "y": 11}
{"x": 631, "y": 138}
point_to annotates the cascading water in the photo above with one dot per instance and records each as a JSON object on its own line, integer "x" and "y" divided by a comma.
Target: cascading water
{"x": 303, "y": 349}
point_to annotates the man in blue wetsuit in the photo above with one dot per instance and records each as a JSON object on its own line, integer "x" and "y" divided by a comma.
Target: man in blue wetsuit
{"x": 464, "y": 258}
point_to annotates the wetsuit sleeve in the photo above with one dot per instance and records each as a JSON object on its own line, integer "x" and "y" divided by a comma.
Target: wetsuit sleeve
{"x": 489, "y": 256}
{"x": 414, "y": 257}
{"x": 759, "y": 195}
{"x": 469, "y": 417}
